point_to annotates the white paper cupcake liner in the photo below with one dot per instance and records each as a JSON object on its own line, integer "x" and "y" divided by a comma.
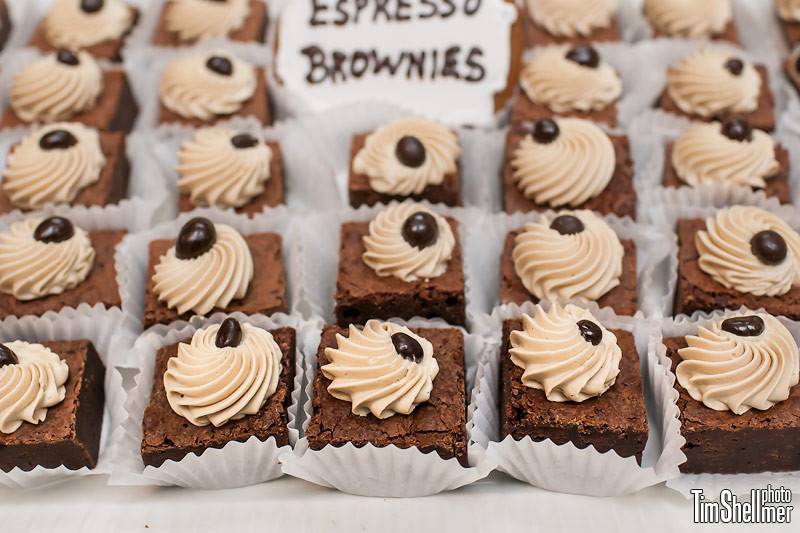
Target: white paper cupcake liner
{"x": 237, "y": 464}
{"x": 23, "y": 16}
{"x": 712, "y": 484}
{"x": 132, "y": 254}
{"x": 389, "y": 472}
{"x": 566, "y": 468}
{"x": 99, "y": 326}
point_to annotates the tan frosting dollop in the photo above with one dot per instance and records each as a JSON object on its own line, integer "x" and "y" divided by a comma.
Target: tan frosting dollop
{"x": 388, "y": 175}
{"x": 558, "y": 360}
{"x": 209, "y": 281}
{"x": 558, "y": 267}
{"x": 366, "y": 370}
{"x": 69, "y": 26}
{"x": 30, "y": 386}
{"x": 35, "y": 177}
{"x": 192, "y": 90}
{"x": 194, "y": 20}
{"x": 688, "y": 18}
{"x": 573, "y": 168}
{"x": 703, "y": 154}
{"x": 726, "y": 253}
{"x": 210, "y": 385}
{"x": 31, "y": 269}
{"x": 214, "y": 172}
{"x": 48, "y": 90}
{"x": 572, "y": 18}
{"x": 701, "y": 85}
{"x": 389, "y": 254}
{"x": 728, "y": 372}
{"x": 563, "y": 85}
{"x": 788, "y": 10}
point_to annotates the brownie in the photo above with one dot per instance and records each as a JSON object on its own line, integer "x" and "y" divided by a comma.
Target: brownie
{"x": 361, "y": 294}
{"x": 274, "y": 189}
{"x": 791, "y": 71}
{"x": 70, "y": 434}
{"x": 721, "y": 442}
{"x": 110, "y": 187}
{"x": 615, "y": 420}
{"x": 169, "y": 436}
{"x": 99, "y": 287}
{"x": 777, "y": 186}
{"x": 697, "y": 291}
{"x": 762, "y": 118}
{"x": 5, "y": 24}
{"x": 266, "y": 294}
{"x": 116, "y": 109}
{"x": 448, "y": 192}
{"x": 258, "y": 106}
{"x": 526, "y": 109}
{"x": 791, "y": 31}
{"x": 622, "y": 298}
{"x": 253, "y": 30}
{"x": 536, "y": 35}
{"x": 437, "y": 425}
{"x": 109, "y": 49}
{"x": 618, "y": 198}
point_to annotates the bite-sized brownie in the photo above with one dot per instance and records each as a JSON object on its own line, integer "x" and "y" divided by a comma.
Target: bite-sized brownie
{"x": 266, "y": 294}
{"x": 619, "y": 196}
{"x": 5, "y": 24}
{"x": 274, "y": 189}
{"x": 697, "y": 291}
{"x": 622, "y": 298}
{"x": 762, "y": 118}
{"x": 110, "y": 49}
{"x": 169, "y": 436}
{"x": 112, "y": 184}
{"x": 535, "y": 35}
{"x": 722, "y": 442}
{"x": 254, "y": 28}
{"x": 777, "y": 186}
{"x": 361, "y": 193}
{"x": 116, "y": 108}
{"x": 99, "y": 287}
{"x": 791, "y": 31}
{"x": 437, "y": 425}
{"x": 361, "y": 294}
{"x": 526, "y": 109}
{"x": 259, "y": 106}
{"x": 615, "y": 420}
{"x": 70, "y": 434}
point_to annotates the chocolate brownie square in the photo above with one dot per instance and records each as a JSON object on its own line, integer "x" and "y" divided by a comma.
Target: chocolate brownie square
{"x": 5, "y": 24}
{"x": 70, "y": 434}
{"x": 274, "y": 189}
{"x": 258, "y": 106}
{"x": 697, "y": 291}
{"x": 437, "y": 425}
{"x": 99, "y": 287}
{"x": 776, "y": 186}
{"x": 448, "y": 192}
{"x": 791, "y": 31}
{"x": 109, "y": 49}
{"x": 615, "y": 420}
{"x": 115, "y": 110}
{"x": 526, "y": 109}
{"x": 254, "y": 28}
{"x": 168, "y": 436}
{"x": 721, "y": 442}
{"x": 110, "y": 187}
{"x": 266, "y": 294}
{"x": 361, "y": 294}
{"x": 762, "y": 118}
{"x": 536, "y": 35}
{"x": 622, "y": 298}
{"x": 618, "y": 198}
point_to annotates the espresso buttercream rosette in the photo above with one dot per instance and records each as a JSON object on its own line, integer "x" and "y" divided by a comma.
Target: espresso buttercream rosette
{"x": 739, "y": 484}
{"x": 388, "y": 471}
{"x": 237, "y": 464}
{"x": 565, "y": 467}
{"x": 110, "y": 332}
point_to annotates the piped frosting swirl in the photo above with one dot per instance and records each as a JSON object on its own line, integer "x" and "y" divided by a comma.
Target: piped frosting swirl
{"x": 387, "y": 174}
{"x": 67, "y": 25}
{"x": 366, "y": 369}
{"x": 559, "y": 360}
{"x": 731, "y": 372}
{"x": 688, "y": 18}
{"x": 572, "y": 18}
{"x": 195, "y": 20}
